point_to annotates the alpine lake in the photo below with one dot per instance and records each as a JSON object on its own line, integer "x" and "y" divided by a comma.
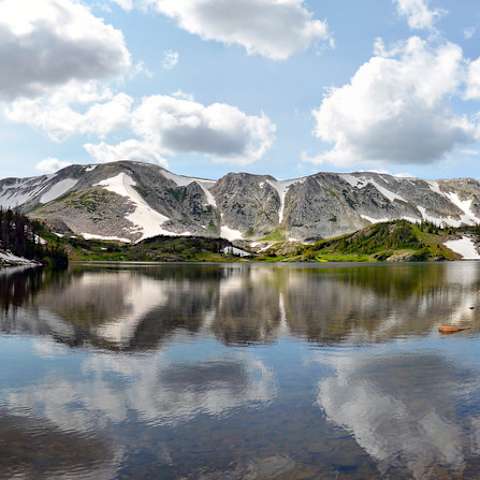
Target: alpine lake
{"x": 240, "y": 372}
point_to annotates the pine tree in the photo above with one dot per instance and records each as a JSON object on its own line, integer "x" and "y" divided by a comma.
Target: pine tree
{"x": 19, "y": 235}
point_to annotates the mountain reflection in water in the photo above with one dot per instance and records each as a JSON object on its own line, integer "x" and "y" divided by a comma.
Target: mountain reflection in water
{"x": 240, "y": 371}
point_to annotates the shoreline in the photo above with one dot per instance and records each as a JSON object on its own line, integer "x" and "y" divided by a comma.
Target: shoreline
{"x": 310, "y": 264}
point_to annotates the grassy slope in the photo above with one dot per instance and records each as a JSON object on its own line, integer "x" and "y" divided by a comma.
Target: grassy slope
{"x": 159, "y": 249}
{"x": 393, "y": 241}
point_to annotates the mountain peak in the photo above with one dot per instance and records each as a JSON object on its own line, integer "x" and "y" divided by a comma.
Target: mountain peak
{"x": 135, "y": 200}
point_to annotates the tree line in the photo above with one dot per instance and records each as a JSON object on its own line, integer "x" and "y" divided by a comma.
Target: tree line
{"x": 21, "y": 236}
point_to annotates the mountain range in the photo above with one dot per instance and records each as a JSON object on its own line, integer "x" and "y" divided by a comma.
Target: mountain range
{"x": 131, "y": 201}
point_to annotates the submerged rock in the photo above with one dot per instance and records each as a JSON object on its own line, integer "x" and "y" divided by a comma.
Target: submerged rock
{"x": 450, "y": 329}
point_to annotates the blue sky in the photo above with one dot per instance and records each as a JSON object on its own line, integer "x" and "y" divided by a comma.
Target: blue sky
{"x": 412, "y": 110}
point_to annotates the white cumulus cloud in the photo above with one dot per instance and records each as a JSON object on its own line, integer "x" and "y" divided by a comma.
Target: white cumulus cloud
{"x": 75, "y": 109}
{"x": 419, "y": 14}
{"x": 275, "y": 29}
{"x": 137, "y": 150}
{"x": 166, "y": 125}
{"x": 396, "y": 108}
{"x": 51, "y": 165}
{"x": 45, "y": 44}
{"x": 57, "y": 58}
{"x": 473, "y": 80}
{"x": 125, "y": 4}
{"x": 170, "y": 59}
{"x": 469, "y": 33}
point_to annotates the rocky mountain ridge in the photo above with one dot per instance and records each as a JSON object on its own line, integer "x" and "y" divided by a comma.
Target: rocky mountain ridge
{"x": 131, "y": 201}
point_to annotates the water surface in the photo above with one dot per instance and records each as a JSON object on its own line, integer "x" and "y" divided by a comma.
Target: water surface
{"x": 213, "y": 372}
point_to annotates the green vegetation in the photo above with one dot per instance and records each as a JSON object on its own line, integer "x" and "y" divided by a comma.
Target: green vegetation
{"x": 392, "y": 241}
{"x": 277, "y": 235}
{"x": 397, "y": 241}
{"x": 178, "y": 193}
{"x": 88, "y": 200}
{"x": 158, "y": 249}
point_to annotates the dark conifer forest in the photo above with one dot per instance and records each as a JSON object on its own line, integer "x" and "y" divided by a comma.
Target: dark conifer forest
{"x": 22, "y": 237}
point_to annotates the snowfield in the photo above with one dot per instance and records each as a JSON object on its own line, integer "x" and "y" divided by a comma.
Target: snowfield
{"x": 464, "y": 247}
{"x": 468, "y": 217}
{"x": 230, "y": 234}
{"x": 147, "y": 221}
{"x": 58, "y": 190}
{"x": 375, "y": 220}
{"x": 361, "y": 182}
{"x": 22, "y": 192}
{"x": 90, "y": 236}
{"x": 236, "y": 252}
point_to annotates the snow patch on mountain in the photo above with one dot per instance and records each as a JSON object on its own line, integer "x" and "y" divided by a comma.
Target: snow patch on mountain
{"x": 352, "y": 180}
{"x": 210, "y": 198}
{"x": 392, "y": 196}
{"x": 58, "y": 190}
{"x": 147, "y": 221}
{"x": 442, "y": 221}
{"x": 90, "y": 236}
{"x": 468, "y": 217}
{"x": 464, "y": 247}
{"x": 437, "y": 220}
{"x": 230, "y": 234}
{"x": 282, "y": 188}
{"x": 375, "y": 220}
{"x": 183, "y": 181}
{"x": 236, "y": 252}
{"x": 362, "y": 182}
{"x": 435, "y": 187}
{"x": 386, "y": 219}
{"x": 21, "y": 192}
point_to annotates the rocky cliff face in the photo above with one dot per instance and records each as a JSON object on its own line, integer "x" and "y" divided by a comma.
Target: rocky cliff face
{"x": 131, "y": 201}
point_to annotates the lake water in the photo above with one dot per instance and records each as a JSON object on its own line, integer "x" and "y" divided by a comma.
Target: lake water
{"x": 226, "y": 372}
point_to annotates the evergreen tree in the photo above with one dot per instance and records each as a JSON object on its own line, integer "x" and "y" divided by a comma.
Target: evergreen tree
{"x": 20, "y": 236}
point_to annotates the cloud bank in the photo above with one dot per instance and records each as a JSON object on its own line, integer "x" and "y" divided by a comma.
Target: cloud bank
{"x": 167, "y": 125}
{"x": 275, "y": 29}
{"x": 397, "y": 107}
{"x": 51, "y": 165}
{"x": 418, "y": 13}
{"x": 48, "y": 43}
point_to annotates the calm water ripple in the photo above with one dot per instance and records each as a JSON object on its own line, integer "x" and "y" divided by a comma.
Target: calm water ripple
{"x": 213, "y": 372}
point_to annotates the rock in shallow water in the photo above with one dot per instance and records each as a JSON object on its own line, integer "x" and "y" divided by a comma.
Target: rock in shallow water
{"x": 450, "y": 329}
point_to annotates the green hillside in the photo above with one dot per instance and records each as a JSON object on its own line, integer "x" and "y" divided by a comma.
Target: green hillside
{"x": 157, "y": 249}
{"x": 392, "y": 241}
{"x": 397, "y": 241}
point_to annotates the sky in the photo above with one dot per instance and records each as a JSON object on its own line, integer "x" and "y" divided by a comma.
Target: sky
{"x": 206, "y": 87}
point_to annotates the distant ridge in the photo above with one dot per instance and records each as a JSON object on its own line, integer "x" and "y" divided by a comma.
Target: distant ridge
{"x": 131, "y": 201}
